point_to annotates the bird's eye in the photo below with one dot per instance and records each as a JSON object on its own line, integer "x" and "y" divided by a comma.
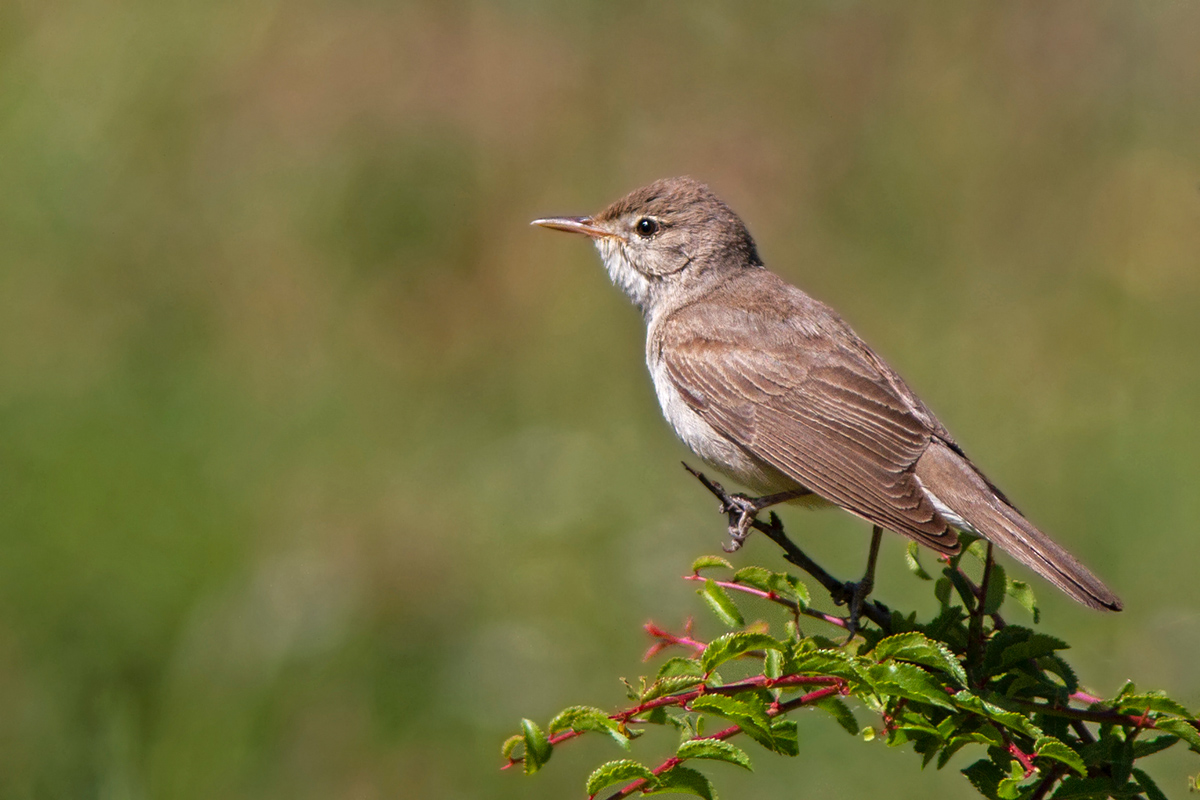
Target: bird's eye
{"x": 646, "y": 227}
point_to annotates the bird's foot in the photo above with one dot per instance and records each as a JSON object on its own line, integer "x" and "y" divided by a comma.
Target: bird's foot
{"x": 742, "y": 512}
{"x": 856, "y": 594}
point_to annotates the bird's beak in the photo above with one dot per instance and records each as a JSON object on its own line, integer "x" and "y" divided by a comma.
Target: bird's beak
{"x": 582, "y": 225}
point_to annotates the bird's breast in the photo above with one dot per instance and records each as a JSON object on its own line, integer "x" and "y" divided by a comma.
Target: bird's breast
{"x": 710, "y": 445}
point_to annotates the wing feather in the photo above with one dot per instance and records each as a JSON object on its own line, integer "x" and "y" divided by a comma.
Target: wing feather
{"x": 835, "y": 425}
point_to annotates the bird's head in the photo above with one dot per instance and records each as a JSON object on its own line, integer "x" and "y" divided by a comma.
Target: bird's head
{"x": 664, "y": 239}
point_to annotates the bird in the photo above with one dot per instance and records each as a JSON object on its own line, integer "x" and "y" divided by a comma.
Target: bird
{"x": 772, "y": 388}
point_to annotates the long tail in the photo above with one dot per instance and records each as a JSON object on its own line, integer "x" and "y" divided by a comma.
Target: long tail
{"x": 959, "y": 490}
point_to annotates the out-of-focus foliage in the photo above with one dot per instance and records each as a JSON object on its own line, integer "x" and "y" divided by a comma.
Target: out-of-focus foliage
{"x": 318, "y": 466}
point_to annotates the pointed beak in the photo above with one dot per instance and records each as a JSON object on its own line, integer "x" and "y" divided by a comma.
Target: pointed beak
{"x": 582, "y": 225}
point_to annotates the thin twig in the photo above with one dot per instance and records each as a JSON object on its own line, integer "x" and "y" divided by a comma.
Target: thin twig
{"x": 774, "y": 597}
{"x": 875, "y": 611}
{"x": 732, "y": 730}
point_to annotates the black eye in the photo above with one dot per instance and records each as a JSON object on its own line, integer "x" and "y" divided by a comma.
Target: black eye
{"x": 646, "y": 227}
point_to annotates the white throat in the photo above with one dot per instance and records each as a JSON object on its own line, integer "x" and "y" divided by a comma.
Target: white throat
{"x": 629, "y": 280}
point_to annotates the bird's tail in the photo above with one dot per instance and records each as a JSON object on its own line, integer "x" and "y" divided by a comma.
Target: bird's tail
{"x": 959, "y": 490}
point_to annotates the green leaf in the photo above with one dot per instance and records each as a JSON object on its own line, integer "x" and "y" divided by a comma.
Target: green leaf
{"x": 680, "y": 666}
{"x": 616, "y": 772}
{"x": 758, "y": 577}
{"x": 1010, "y": 787}
{"x": 1056, "y": 665}
{"x": 1014, "y": 645}
{"x": 914, "y": 565}
{"x": 773, "y": 664}
{"x": 790, "y": 588}
{"x": 941, "y": 590}
{"x": 669, "y": 685}
{"x": 715, "y": 749}
{"x": 708, "y": 562}
{"x": 997, "y": 584}
{"x": 1148, "y": 747}
{"x": 1073, "y": 788}
{"x": 586, "y": 718}
{"x": 732, "y": 645}
{"x": 906, "y": 680}
{"x": 785, "y": 737}
{"x": 1148, "y": 786}
{"x": 1049, "y": 747}
{"x": 721, "y": 604}
{"x": 1181, "y": 728}
{"x": 750, "y": 713}
{"x": 537, "y": 748}
{"x": 919, "y": 649}
{"x": 1009, "y": 719}
{"x": 1153, "y": 701}
{"x": 841, "y": 712}
{"x": 683, "y": 780}
{"x": 985, "y": 777}
{"x": 1022, "y": 593}
{"x": 510, "y": 744}
{"x": 835, "y": 663}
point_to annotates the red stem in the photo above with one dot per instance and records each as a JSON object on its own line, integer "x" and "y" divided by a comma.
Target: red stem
{"x": 732, "y": 730}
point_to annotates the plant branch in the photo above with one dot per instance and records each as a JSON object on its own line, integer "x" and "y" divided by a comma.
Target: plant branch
{"x": 839, "y": 591}
{"x": 732, "y": 730}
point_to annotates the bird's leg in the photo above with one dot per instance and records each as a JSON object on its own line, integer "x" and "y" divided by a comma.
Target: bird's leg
{"x": 858, "y": 591}
{"x": 742, "y": 510}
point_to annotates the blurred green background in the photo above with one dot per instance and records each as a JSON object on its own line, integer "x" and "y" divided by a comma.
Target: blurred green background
{"x": 319, "y": 467}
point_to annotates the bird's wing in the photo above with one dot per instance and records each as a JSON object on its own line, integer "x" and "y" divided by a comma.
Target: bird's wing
{"x": 830, "y": 420}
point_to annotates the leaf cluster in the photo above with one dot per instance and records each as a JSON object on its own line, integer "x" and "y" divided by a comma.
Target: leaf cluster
{"x": 962, "y": 680}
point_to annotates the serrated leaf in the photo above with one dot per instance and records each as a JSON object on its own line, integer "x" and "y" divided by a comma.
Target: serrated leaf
{"x": 907, "y": 680}
{"x": 1058, "y": 666}
{"x": 834, "y": 663}
{"x": 785, "y": 737}
{"x": 669, "y": 685}
{"x": 1049, "y": 747}
{"x": 616, "y": 772}
{"x": 1010, "y": 787}
{"x": 1181, "y": 728}
{"x": 732, "y": 645}
{"x": 1148, "y": 786}
{"x": 715, "y": 749}
{"x": 941, "y": 590}
{"x": 709, "y": 562}
{"x": 791, "y": 588}
{"x": 510, "y": 744}
{"x": 679, "y": 666}
{"x": 1075, "y": 788}
{"x": 997, "y": 585}
{"x": 750, "y": 714}
{"x": 985, "y": 777}
{"x": 537, "y": 747}
{"x": 683, "y": 780}
{"x": 919, "y": 649}
{"x": 1009, "y": 719}
{"x": 721, "y": 604}
{"x": 1013, "y": 645}
{"x": 1148, "y": 747}
{"x": 840, "y": 712}
{"x": 914, "y": 564}
{"x": 758, "y": 577}
{"x": 586, "y": 718}
{"x": 1154, "y": 701}
{"x": 773, "y": 664}
{"x": 1022, "y": 593}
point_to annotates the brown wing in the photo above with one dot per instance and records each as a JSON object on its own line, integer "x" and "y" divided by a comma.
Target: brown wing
{"x": 828, "y": 418}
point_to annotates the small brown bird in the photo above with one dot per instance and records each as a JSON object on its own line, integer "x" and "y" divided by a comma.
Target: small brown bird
{"x": 773, "y": 388}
